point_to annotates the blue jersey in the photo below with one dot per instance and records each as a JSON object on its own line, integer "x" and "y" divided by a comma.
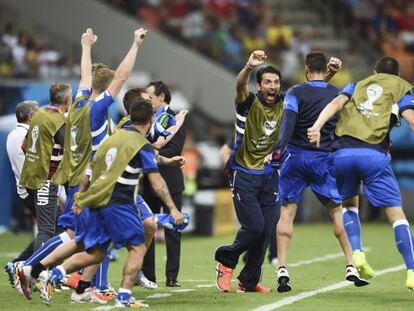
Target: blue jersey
{"x": 407, "y": 102}
{"x": 98, "y": 115}
{"x": 143, "y": 162}
{"x": 301, "y": 108}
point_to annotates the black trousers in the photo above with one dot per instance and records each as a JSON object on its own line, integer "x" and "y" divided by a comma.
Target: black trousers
{"x": 172, "y": 241}
{"x": 47, "y": 212}
{"x": 254, "y": 198}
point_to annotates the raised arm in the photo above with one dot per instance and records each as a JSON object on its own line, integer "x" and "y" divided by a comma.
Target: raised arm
{"x": 314, "y": 132}
{"x": 88, "y": 39}
{"x": 161, "y": 189}
{"x": 334, "y": 65}
{"x": 257, "y": 58}
{"x": 125, "y": 67}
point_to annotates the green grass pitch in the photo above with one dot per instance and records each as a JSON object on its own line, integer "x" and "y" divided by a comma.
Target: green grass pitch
{"x": 386, "y": 292}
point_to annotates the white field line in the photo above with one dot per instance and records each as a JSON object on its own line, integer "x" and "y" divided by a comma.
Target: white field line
{"x": 295, "y": 264}
{"x": 320, "y": 259}
{"x": 158, "y": 295}
{"x": 183, "y": 290}
{"x": 289, "y": 300}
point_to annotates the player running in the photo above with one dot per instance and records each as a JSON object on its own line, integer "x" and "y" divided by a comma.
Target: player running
{"x": 111, "y": 199}
{"x": 302, "y": 165}
{"x": 87, "y": 128}
{"x": 365, "y": 120}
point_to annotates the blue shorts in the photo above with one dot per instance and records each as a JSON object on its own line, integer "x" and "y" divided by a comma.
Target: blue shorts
{"x": 306, "y": 168}
{"x": 119, "y": 224}
{"x": 144, "y": 209}
{"x": 373, "y": 169}
{"x": 67, "y": 219}
{"x": 82, "y": 223}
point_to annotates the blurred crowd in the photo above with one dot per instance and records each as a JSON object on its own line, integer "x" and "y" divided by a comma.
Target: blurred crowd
{"x": 224, "y": 30}
{"x": 389, "y": 24}
{"x": 24, "y": 55}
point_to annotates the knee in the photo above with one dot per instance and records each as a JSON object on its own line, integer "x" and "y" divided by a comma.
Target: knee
{"x": 150, "y": 226}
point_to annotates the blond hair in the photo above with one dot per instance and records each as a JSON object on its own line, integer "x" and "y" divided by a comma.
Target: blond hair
{"x": 102, "y": 76}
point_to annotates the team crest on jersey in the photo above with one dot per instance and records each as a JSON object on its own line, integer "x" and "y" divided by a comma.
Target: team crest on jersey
{"x": 269, "y": 127}
{"x": 110, "y": 157}
{"x": 35, "y": 137}
{"x": 374, "y": 91}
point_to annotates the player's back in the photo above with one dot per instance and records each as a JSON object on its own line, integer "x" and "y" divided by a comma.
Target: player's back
{"x": 311, "y": 98}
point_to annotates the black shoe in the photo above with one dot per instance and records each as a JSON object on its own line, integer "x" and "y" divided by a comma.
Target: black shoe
{"x": 170, "y": 282}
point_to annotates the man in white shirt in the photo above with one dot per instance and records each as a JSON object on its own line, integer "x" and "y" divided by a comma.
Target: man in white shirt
{"x": 24, "y": 114}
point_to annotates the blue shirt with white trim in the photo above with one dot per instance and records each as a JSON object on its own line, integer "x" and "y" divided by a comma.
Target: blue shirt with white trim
{"x": 302, "y": 105}
{"x": 98, "y": 115}
{"x": 144, "y": 162}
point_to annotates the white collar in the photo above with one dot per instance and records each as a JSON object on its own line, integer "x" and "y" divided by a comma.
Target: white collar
{"x": 24, "y": 125}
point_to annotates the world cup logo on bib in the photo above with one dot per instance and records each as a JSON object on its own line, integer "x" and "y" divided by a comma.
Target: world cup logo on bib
{"x": 374, "y": 91}
{"x": 73, "y": 134}
{"x": 35, "y": 137}
{"x": 110, "y": 157}
{"x": 269, "y": 127}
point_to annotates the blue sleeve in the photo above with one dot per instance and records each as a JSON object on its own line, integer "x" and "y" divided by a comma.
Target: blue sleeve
{"x": 407, "y": 102}
{"x": 82, "y": 92}
{"x": 148, "y": 160}
{"x": 291, "y": 101}
{"x": 99, "y": 110}
{"x": 348, "y": 90}
{"x": 83, "y": 97}
{"x": 286, "y": 129}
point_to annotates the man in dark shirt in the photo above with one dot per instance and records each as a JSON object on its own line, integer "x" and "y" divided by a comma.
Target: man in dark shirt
{"x": 305, "y": 165}
{"x": 160, "y": 97}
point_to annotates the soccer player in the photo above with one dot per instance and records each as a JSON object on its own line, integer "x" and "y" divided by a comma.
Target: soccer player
{"x": 303, "y": 165}
{"x": 43, "y": 146}
{"x": 147, "y": 216}
{"x": 87, "y": 127}
{"x": 254, "y": 195}
{"x": 25, "y": 111}
{"x": 365, "y": 111}
{"x": 160, "y": 97}
{"x": 111, "y": 198}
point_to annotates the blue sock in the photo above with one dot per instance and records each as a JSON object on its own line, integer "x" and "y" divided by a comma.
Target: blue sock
{"x": 57, "y": 274}
{"x": 404, "y": 241}
{"x": 46, "y": 249}
{"x": 100, "y": 279}
{"x": 352, "y": 227}
{"x": 123, "y": 294}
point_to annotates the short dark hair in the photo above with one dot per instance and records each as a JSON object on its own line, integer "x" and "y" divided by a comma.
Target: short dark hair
{"x": 387, "y": 64}
{"x": 24, "y": 109}
{"x": 59, "y": 92}
{"x": 161, "y": 87}
{"x": 267, "y": 69}
{"x": 316, "y": 61}
{"x": 140, "y": 111}
{"x": 131, "y": 95}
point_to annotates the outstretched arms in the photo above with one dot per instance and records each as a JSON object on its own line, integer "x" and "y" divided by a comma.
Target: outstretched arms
{"x": 88, "y": 39}
{"x": 125, "y": 67}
